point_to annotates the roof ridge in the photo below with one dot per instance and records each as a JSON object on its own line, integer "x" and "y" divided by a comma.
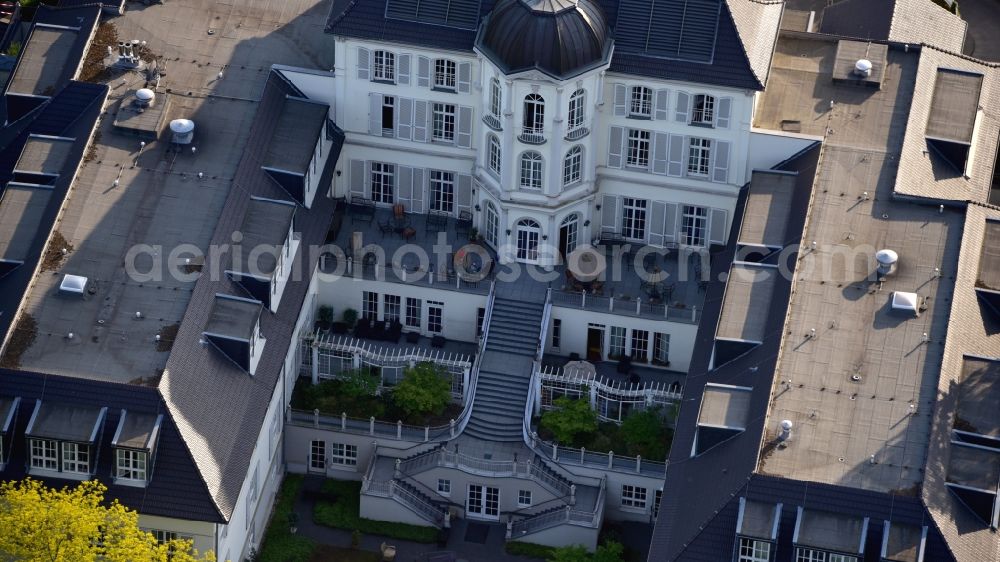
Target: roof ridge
{"x": 333, "y": 21}
{"x": 981, "y": 62}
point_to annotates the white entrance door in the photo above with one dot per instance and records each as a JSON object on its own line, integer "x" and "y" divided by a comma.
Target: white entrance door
{"x": 528, "y": 234}
{"x": 483, "y": 503}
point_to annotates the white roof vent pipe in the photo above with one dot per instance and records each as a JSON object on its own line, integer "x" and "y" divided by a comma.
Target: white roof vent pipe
{"x": 887, "y": 260}
{"x": 144, "y": 97}
{"x": 786, "y": 430}
{"x": 863, "y": 68}
{"x": 183, "y": 131}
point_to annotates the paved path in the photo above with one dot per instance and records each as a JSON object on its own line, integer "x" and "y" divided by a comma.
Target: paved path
{"x": 982, "y": 40}
{"x": 492, "y": 551}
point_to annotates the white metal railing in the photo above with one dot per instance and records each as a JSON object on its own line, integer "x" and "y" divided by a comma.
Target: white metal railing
{"x": 612, "y": 399}
{"x": 393, "y": 489}
{"x": 393, "y": 431}
{"x": 531, "y": 134}
{"x": 546, "y": 316}
{"x": 629, "y": 307}
{"x": 329, "y": 356}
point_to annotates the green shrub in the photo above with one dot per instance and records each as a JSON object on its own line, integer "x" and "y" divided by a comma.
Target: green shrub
{"x": 350, "y": 317}
{"x": 570, "y": 421}
{"x": 424, "y": 390}
{"x": 645, "y": 433}
{"x": 280, "y": 545}
{"x": 517, "y": 548}
{"x": 342, "y": 510}
{"x": 610, "y": 551}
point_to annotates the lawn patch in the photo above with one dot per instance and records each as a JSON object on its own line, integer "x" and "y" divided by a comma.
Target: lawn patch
{"x": 280, "y": 545}
{"x": 341, "y": 508}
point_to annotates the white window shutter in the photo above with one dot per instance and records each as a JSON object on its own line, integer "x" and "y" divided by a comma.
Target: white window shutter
{"x": 419, "y": 175}
{"x": 423, "y": 72}
{"x": 464, "y": 77}
{"x": 723, "y": 113}
{"x": 420, "y": 120}
{"x": 670, "y": 223}
{"x": 662, "y": 103}
{"x": 403, "y": 72}
{"x": 463, "y": 193}
{"x": 404, "y": 118}
{"x": 661, "y": 142}
{"x": 609, "y": 213}
{"x": 358, "y": 178}
{"x": 463, "y": 138}
{"x": 621, "y": 100}
{"x": 616, "y": 146}
{"x": 657, "y": 222}
{"x": 675, "y": 158}
{"x": 717, "y": 228}
{"x": 375, "y": 114}
{"x": 682, "y": 113}
{"x": 720, "y": 161}
{"x": 364, "y": 64}
{"x": 404, "y": 187}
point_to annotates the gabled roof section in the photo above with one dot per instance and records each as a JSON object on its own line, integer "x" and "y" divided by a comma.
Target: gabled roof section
{"x": 175, "y": 488}
{"x": 71, "y": 113}
{"x": 22, "y": 210}
{"x": 653, "y": 39}
{"x": 197, "y": 377}
{"x": 53, "y": 52}
{"x": 293, "y": 141}
{"x": 137, "y": 430}
{"x": 952, "y": 132}
{"x": 901, "y": 21}
{"x": 457, "y": 14}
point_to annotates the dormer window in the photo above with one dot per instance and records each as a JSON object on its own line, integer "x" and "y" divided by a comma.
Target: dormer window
{"x": 445, "y": 73}
{"x": 814, "y": 541}
{"x": 753, "y": 550}
{"x": 384, "y": 67}
{"x": 134, "y": 446}
{"x": 641, "y": 102}
{"x": 130, "y": 465}
{"x": 62, "y": 439}
{"x": 704, "y": 110}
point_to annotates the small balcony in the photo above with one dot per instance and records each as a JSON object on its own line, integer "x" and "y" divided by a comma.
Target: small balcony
{"x": 492, "y": 121}
{"x": 577, "y": 133}
{"x": 531, "y": 135}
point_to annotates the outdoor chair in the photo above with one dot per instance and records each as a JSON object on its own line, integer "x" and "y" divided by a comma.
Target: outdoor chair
{"x": 385, "y": 228}
{"x": 361, "y": 208}
{"x": 436, "y": 222}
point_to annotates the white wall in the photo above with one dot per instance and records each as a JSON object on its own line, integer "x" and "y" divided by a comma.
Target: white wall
{"x": 202, "y": 533}
{"x": 769, "y": 148}
{"x": 575, "y": 324}
{"x": 458, "y": 315}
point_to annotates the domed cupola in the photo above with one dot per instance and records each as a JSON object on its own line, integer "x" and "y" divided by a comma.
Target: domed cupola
{"x": 562, "y": 38}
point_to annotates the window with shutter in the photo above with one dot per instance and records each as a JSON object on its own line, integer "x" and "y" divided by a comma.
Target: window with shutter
{"x": 364, "y": 64}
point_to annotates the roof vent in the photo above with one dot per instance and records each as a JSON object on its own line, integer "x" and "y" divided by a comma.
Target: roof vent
{"x": 183, "y": 131}
{"x": 887, "y": 260}
{"x": 863, "y": 68}
{"x": 909, "y": 303}
{"x": 144, "y": 97}
{"x": 786, "y": 430}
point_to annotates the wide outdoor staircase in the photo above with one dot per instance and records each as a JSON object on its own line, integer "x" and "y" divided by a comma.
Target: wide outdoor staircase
{"x": 512, "y": 341}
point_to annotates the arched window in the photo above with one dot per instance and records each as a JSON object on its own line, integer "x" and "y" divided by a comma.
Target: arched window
{"x": 531, "y": 170}
{"x": 568, "y": 234}
{"x": 385, "y": 66}
{"x": 573, "y": 166}
{"x": 534, "y": 114}
{"x": 575, "y": 116}
{"x": 495, "y": 94}
{"x": 528, "y": 234}
{"x": 491, "y": 224}
{"x": 493, "y": 156}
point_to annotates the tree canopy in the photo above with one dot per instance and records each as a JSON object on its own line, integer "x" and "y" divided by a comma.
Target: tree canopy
{"x": 425, "y": 389}
{"x": 570, "y": 419}
{"x": 71, "y": 524}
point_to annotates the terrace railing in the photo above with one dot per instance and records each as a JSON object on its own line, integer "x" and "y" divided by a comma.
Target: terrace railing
{"x": 626, "y": 307}
{"x": 612, "y": 399}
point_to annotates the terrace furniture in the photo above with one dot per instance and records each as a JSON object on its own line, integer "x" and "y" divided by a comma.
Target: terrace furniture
{"x": 464, "y": 223}
{"x": 388, "y": 552}
{"x": 624, "y": 364}
{"x": 386, "y": 228}
{"x": 438, "y": 341}
{"x": 398, "y": 211}
{"x": 412, "y": 337}
{"x": 393, "y": 331}
{"x": 436, "y": 221}
{"x": 361, "y": 208}
{"x": 611, "y": 237}
{"x": 408, "y": 233}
